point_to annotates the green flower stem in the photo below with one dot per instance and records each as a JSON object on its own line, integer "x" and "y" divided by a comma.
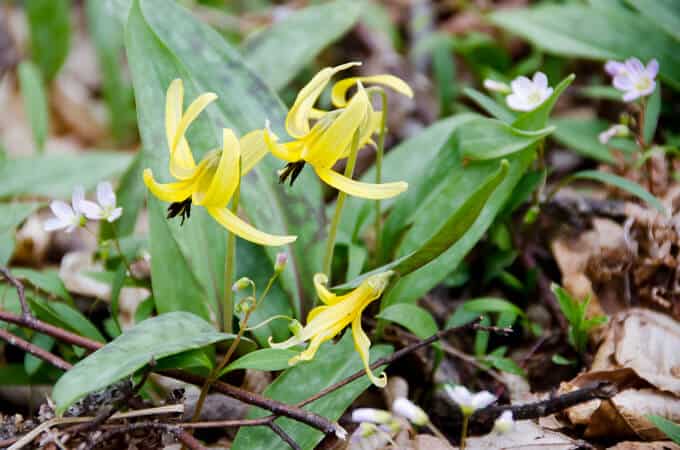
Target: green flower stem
{"x": 378, "y": 176}
{"x": 463, "y": 433}
{"x": 116, "y": 242}
{"x": 229, "y": 263}
{"x": 333, "y": 231}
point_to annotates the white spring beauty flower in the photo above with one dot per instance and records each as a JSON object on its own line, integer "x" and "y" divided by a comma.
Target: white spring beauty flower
{"x": 368, "y": 437}
{"x": 633, "y": 78}
{"x": 372, "y": 415}
{"x": 68, "y": 217}
{"x": 504, "y": 422}
{"x": 105, "y": 208}
{"x": 617, "y": 130}
{"x": 409, "y": 410}
{"x": 528, "y": 94}
{"x": 496, "y": 86}
{"x": 469, "y": 402}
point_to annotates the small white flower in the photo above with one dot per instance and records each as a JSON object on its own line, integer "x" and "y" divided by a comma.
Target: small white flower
{"x": 67, "y": 216}
{"x": 469, "y": 402}
{"x": 633, "y": 78}
{"x": 105, "y": 208}
{"x": 496, "y": 86}
{"x": 368, "y": 437}
{"x": 406, "y": 408}
{"x": 504, "y": 422}
{"x": 372, "y": 415}
{"x": 617, "y": 130}
{"x": 528, "y": 94}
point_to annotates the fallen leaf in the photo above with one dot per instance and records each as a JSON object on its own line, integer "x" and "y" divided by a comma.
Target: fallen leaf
{"x": 525, "y": 435}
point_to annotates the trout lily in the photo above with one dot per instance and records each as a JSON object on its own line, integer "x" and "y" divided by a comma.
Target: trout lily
{"x": 328, "y": 320}
{"x": 213, "y": 181}
{"x": 330, "y": 138}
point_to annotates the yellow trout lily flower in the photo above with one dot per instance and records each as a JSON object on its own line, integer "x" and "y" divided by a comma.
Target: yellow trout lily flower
{"x": 328, "y": 320}
{"x": 329, "y": 139}
{"x": 213, "y": 181}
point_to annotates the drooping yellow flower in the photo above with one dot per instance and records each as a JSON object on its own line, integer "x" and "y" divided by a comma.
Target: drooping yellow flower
{"x": 213, "y": 181}
{"x": 329, "y": 139}
{"x": 326, "y": 321}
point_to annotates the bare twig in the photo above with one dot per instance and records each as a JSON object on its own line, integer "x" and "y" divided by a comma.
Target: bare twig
{"x": 284, "y": 436}
{"x": 34, "y": 350}
{"x": 25, "y": 311}
{"x": 50, "y": 330}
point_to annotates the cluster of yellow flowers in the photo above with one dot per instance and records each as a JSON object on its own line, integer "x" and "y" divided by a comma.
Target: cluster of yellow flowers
{"x": 318, "y": 138}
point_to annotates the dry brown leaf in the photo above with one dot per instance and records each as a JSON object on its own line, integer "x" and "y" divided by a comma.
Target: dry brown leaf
{"x": 429, "y": 442}
{"x": 526, "y": 435}
{"x": 659, "y": 445}
{"x": 633, "y": 405}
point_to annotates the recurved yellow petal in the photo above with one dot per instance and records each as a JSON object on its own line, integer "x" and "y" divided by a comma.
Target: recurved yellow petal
{"x": 290, "y": 151}
{"x": 226, "y": 178}
{"x": 236, "y": 225}
{"x": 359, "y": 189}
{"x": 182, "y": 163}
{"x": 297, "y": 119}
{"x": 322, "y": 292}
{"x": 196, "y": 107}
{"x": 339, "y": 92}
{"x": 253, "y": 149}
{"x": 331, "y": 144}
{"x": 362, "y": 345}
{"x": 169, "y": 192}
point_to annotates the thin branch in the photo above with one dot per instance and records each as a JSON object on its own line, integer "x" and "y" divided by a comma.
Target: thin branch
{"x": 34, "y": 350}
{"x": 276, "y": 407}
{"x": 50, "y": 330}
{"x": 284, "y": 436}
{"x": 25, "y": 311}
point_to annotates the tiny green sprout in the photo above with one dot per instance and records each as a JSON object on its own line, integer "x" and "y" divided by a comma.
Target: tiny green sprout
{"x": 575, "y": 312}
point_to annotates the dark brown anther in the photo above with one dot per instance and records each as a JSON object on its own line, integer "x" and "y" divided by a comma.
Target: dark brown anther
{"x": 291, "y": 170}
{"x": 182, "y": 209}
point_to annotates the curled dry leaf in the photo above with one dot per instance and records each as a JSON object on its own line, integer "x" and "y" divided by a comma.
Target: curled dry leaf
{"x": 639, "y": 351}
{"x": 659, "y": 445}
{"x": 525, "y": 435}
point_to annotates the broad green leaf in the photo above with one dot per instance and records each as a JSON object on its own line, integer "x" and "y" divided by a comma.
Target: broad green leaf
{"x": 491, "y": 304}
{"x": 538, "y": 118}
{"x": 48, "y": 281}
{"x": 108, "y": 39}
{"x": 410, "y": 161}
{"x": 581, "y": 136}
{"x": 621, "y": 183}
{"x": 196, "y": 359}
{"x": 156, "y": 338}
{"x": 55, "y": 176}
{"x": 670, "y": 429}
{"x": 264, "y": 359}
{"x": 461, "y": 316}
{"x": 333, "y": 363}
{"x": 484, "y": 138}
{"x": 278, "y": 53}
{"x": 506, "y": 365}
{"x": 578, "y": 30}
{"x": 490, "y": 105}
{"x": 446, "y": 235}
{"x": 414, "y": 318}
{"x": 32, "y": 363}
{"x": 652, "y": 112}
{"x": 453, "y": 194}
{"x": 601, "y": 92}
{"x": 50, "y": 30}
{"x": 161, "y": 48}
{"x": 11, "y": 216}
{"x": 664, "y": 13}
{"x": 35, "y": 102}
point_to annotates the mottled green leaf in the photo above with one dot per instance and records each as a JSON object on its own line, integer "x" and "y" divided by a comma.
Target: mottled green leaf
{"x": 484, "y": 138}
{"x": 156, "y": 338}
{"x": 412, "y": 317}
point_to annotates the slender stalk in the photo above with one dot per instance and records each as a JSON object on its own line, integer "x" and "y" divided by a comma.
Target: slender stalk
{"x": 229, "y": 263}
{"x": 333, "y": 231}
{"x": 378, "y": 177}
{"x": 436, "y": 432}
{"x": 116, "y": 243}
{"x": 464, "y": 431}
